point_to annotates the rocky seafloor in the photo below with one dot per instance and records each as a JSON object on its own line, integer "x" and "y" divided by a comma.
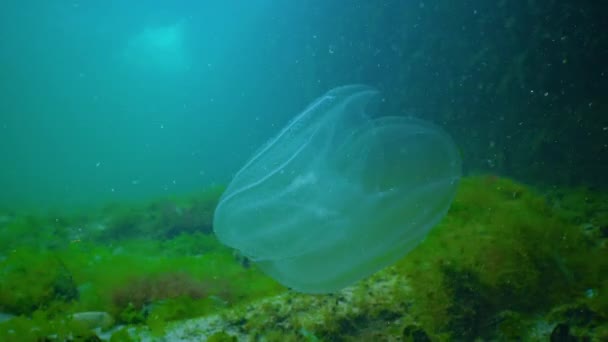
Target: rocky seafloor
{"x": 508, "y": 262}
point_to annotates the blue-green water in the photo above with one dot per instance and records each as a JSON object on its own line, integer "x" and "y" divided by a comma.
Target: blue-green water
{"x": 102, "y": 101}
{"x": 110, "y": 101}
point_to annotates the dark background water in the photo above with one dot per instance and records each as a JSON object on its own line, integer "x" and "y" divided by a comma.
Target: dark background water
{"x": 115, "y": 100}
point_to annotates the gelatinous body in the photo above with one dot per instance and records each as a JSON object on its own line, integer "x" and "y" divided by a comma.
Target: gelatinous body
{"x": 337, "y": 195}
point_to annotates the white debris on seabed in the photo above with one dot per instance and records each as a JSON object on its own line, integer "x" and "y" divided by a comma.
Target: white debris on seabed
{"x": 289, "y": 312}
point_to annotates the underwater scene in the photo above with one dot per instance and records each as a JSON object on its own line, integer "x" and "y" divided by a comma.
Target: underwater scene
{"x": 322, "y": 170}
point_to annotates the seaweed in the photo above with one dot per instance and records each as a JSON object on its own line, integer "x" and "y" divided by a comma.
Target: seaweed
{"x": 503, "y": 247}
{"x": 504, "y": 256}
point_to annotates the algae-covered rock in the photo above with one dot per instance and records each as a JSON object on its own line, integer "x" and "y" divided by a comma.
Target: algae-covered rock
{"x": 501, "y": 247}
{"x": 503, "y": 258}
{"x": 33, "y": 280}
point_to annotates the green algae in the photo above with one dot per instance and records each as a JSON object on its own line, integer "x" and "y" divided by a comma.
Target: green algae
{"x": 145, "y": 279}
{"x": 503, "y": 256}
{"x": 502, "y": 247}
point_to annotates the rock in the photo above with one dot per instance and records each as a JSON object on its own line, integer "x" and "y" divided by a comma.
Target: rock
{"x": 5, "y": 316}
{"x": 561, "y": 333}
{"x": 414, "y": 333}
{"x": 604, "y": 231}
{"x": 94, "y": 319}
